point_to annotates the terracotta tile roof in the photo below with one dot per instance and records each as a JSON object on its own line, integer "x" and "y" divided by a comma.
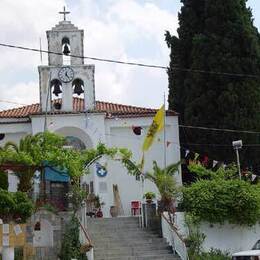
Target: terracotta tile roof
{"x": 110, "y": 109}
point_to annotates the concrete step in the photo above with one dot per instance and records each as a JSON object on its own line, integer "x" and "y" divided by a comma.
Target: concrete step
{"x": 148, "y": 257}
{"x": 132, "y": 252}
{"x": 114, "y": 220}
{"x": 115, "y": 235}
{"x": 122, "y": 239}
{"x": 136, "y": 247}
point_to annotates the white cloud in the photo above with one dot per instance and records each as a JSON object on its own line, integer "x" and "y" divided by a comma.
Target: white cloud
{"x": 20, "y": 93}
{"x": 118, "y": 29}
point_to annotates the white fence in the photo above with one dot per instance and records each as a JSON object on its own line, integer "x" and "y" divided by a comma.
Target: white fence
{"x": 173, "y": 238}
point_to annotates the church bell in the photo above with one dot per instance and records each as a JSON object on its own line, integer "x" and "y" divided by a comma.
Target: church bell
{"x": 66, "y": 50}
{"x": 78, "y": 88}
{"x": 57, "y": 90}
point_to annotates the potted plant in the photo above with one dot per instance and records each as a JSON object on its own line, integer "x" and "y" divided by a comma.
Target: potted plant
{"x": 149, "y": 196}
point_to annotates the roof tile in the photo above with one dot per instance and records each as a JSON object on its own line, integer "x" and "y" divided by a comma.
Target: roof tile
{"x": 110, "y": 109}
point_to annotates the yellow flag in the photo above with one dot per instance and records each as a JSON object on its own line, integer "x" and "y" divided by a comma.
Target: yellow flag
{"x": 156, "y": 126}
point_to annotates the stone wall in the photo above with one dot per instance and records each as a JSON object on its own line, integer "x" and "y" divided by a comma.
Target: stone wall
{"x": 47, "y": 240}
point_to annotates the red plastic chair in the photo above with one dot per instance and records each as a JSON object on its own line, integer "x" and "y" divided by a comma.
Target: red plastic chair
{"x": 135, "y": 207}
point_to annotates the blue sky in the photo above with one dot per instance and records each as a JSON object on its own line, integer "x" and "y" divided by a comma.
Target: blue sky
{"x": 129, "y": 30}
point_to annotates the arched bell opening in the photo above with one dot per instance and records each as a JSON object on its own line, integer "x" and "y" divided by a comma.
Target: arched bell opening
{"x": 78, "y": 88}
{"x": 56, "y": 94}
{"x": 66, "y": 59}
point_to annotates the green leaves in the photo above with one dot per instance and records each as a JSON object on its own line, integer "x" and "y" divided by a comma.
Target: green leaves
{"x": 70, "y": 246}
{"x": 220, "y": 200}
{"x": 164, "y": 180}
{"x": 42, "y": 147}
{"x": 14, "y": 206}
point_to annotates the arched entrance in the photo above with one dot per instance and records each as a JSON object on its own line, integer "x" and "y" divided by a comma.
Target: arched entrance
{"x": 76, "y": 137}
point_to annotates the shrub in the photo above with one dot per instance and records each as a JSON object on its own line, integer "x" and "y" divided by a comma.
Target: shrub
{"x": 3, "y": 181}
{"x": 220, "y": 200}
{"x": 70, "y": 247}
{"x": 15, "y": 206}
{"x": 214, "y": 254}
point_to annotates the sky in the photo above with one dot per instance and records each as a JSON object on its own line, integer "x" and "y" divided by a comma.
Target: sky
{"x": 126, "y": 30}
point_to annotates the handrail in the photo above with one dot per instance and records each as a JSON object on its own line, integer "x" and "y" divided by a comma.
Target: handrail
{"x": 86, "y": 234}
{"x": 170, "y": 232}
{"x": 88, "y": 247}
{"x": 174, "y": 228}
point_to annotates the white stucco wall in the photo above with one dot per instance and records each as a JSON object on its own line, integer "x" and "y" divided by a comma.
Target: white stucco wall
{"x": 226, "y": 237}
{"x": 118, "y": 133}
{"x": 14, "y": 132}
{"x": 230, "y": 238}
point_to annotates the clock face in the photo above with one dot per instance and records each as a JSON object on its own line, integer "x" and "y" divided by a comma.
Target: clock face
{"x": 66, "y": 74}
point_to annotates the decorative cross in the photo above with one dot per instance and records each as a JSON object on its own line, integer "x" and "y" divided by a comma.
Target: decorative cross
{"x": 64, "y": 13}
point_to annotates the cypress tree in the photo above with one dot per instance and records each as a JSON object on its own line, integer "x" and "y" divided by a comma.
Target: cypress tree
{"x": 216, "y": 36}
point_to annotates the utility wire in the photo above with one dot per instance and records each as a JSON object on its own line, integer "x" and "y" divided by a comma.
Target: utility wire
{"x": 84, "y": 57}
{"x": 219, "y": 129}
{"x": 181, "y": 126}
{"x": 175, "y": 68}
{"x": 13, "y": 102}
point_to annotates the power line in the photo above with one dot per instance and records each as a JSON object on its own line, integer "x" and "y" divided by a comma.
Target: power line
{"x": 219, "y": 129}
{"x": 13, "y": 102}
{"x": 221, "y": 145}
{"x": 175, "y": 68}
{"x": 85, "y": 57}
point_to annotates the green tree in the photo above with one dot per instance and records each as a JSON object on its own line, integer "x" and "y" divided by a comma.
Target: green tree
{"x": 216, "y": 36}
{"x": 166, "y": 185}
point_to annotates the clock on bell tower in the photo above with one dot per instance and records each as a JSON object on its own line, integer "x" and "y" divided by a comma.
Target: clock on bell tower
{"x": 66, "y": 76}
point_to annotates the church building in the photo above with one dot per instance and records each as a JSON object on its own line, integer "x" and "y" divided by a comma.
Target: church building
{"x": 68, "y": 106}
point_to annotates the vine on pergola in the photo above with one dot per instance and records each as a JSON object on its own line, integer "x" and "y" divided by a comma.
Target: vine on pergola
{"x": 33, "y": 151}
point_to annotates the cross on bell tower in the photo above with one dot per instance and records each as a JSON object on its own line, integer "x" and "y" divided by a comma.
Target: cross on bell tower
{"x": 64, "y": 13}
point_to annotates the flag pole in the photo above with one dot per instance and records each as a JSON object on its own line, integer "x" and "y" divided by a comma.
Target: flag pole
{"x": 164, "y": 133}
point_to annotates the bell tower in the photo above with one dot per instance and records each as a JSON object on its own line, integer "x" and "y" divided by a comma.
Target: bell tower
{"x": 66, "y": 77}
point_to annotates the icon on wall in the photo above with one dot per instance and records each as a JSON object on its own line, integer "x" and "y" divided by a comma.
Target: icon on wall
{"x": 101, "y": 170}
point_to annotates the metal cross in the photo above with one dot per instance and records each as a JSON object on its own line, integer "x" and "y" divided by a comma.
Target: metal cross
{"x": 64, "y": 13}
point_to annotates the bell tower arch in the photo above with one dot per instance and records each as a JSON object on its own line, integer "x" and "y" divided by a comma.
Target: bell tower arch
{"x": 66, "y": 74}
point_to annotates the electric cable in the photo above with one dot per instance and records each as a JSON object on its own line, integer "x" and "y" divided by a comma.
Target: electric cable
{"x": 175, "y": 68}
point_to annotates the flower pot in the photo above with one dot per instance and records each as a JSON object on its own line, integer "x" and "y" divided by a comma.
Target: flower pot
{"x": 149, "y": 201}
{"x": 113, "y": 211}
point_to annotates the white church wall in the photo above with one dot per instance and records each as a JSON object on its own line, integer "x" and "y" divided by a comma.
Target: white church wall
{"x": 119, "y": 134}
{"x": 14, "y": 137}
{"x": 87, "y": 127}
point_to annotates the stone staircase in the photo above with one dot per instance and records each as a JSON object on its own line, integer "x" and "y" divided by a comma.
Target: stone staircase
{"x": 122, "y": 239}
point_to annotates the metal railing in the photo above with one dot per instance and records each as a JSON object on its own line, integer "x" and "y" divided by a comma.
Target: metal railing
{"x": 174, "y": 238}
